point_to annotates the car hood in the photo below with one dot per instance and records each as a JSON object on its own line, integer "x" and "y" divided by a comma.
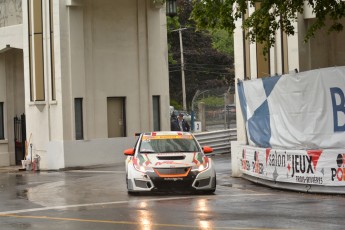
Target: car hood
{"x": 171, "y": 160}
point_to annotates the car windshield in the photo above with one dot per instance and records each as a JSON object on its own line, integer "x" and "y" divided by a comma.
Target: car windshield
{"x": 168, "y": 145}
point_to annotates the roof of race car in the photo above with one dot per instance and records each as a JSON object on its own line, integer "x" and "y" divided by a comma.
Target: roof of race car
{"x": 167, "y": 135}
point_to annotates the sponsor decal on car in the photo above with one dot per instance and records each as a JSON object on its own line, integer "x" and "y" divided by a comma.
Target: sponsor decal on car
{"x": 167, "y": 137}
{"x": 171, "y": 163}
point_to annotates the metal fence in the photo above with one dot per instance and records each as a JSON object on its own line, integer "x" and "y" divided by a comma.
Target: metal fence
{"x": 217, "y": 115}
{"x": 220, "y": 140}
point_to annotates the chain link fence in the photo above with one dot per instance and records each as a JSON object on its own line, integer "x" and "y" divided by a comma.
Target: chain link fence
{"x": 214, "y": 110}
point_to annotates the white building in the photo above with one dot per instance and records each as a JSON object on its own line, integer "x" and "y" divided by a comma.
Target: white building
{"x": 290, "y": 53}
{"x": 87, "y": 74}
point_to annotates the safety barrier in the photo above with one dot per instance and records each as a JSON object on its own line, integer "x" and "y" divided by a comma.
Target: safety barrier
{"x": 218, "y": 140}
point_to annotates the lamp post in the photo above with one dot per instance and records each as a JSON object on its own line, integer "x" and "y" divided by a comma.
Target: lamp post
{"x": 171, "y": 8}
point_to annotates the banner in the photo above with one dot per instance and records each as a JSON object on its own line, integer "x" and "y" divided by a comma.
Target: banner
{"x": 296, "y": 111}
{"x": 314, "y": 167}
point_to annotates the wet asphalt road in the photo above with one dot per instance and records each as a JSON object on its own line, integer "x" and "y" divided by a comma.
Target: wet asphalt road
{"x": 96, "y": 198}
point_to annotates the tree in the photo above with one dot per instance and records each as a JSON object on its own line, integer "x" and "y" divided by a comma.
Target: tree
{"x": 268, "y": 17}
{"x": 223, "y": 41}
{"x": 204, "y": 65}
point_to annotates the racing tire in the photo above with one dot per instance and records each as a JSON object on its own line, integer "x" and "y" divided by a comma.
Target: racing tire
{"x": 131, "y": 193}
{"x": 210, "y": 192}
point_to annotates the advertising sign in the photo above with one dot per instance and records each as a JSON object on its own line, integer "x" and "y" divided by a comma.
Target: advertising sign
{"x": 317, "y": 167}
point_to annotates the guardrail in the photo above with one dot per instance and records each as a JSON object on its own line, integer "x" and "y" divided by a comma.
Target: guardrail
{"x": 220, "y": 141}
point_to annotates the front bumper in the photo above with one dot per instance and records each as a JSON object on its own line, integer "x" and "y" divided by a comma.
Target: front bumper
{"x": 194, "y": 181}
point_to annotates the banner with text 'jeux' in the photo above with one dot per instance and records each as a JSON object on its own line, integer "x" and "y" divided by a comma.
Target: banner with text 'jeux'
{"x": 314, "y": 167}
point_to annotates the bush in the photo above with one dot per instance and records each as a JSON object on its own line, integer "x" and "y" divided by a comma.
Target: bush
{"x": 213, "y": 101}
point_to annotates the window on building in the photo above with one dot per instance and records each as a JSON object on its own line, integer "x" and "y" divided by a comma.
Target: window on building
{"x": 78, "y": 110}
{"x": 2, "y": 129}
{"x": 53, "y": 94}
{"x": 30, "y": 51}
{"x": 36, "y": 61}
{"x": 262, "y": 61}
{"x": 156, "y": 113}
{"x": 284, "y": 50}
{"x": 246, "y": 51}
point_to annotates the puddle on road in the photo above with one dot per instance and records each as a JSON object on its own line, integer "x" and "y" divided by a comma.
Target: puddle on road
{"x": 20, "y": 225}
{"x": 22, "y": 194}
{"x": 236, "y": 185}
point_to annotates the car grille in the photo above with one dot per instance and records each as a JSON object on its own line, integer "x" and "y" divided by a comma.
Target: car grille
{"x": 167, "y": 172}
{"x": 172, "y": 158}
{"x": 172, "y": 185}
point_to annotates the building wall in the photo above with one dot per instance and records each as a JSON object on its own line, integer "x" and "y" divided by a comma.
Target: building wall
{"x": 12, "y": 94}
{"x": 323, "y": 50}
{"x": 4, "y": 151}
{"x": 102, "y": 49}
{"x": 250, "y": 63}
{"x": 11, "y": 73}
{"x": 242, "y": 68}
{"x": 10, "y": 12}
{"x": 15, "y": 93}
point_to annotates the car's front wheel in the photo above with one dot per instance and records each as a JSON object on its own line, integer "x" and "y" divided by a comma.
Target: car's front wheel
{"x": 131, "y": 193}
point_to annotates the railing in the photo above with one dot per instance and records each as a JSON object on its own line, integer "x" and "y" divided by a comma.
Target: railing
{"x": 220, "y": 141}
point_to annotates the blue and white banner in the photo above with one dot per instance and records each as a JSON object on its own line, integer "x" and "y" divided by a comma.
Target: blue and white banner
{"x": 296, "y": 111}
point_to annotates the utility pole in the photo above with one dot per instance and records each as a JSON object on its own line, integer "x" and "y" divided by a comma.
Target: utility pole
{"x": 182, "y": 70}
{"x": 182, "y": 73}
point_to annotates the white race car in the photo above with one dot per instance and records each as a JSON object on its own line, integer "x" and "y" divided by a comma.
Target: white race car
{"x": 169, "y": 161}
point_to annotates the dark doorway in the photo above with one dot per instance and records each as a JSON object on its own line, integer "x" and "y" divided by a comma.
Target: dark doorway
{"x": 19, "y": 138}
{"x": 116, "y": 109}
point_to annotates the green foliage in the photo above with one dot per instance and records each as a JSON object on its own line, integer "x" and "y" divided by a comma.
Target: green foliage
{"x": 172, "y": 24}
{"x": 171, "y": 59}
{"x": 223, "y": 41}
{"x": 213, "y": 101}
{"x": 204, "y": 66}
{"x": 176, "y": 105}
{"x": 269, "y": 16}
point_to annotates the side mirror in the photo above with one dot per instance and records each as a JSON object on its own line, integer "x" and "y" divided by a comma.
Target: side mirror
{"x": 129, "y": 152}
{"x": 207, "y": 149}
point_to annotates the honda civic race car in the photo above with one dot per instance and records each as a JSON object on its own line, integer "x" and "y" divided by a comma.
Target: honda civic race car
{"x": 169, "y": 161}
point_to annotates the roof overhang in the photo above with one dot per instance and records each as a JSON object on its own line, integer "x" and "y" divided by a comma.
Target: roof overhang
{"x": 4, "y": 49}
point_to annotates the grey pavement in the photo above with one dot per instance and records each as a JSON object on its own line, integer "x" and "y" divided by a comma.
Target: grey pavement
{"x": 96, "y": 198}
{"x": 10, "y": 169}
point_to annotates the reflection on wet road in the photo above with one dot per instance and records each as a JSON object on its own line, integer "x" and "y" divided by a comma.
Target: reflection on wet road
{"x": 97, "y": 199}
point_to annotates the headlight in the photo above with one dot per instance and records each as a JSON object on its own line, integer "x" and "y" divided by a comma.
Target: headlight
{"x": 142, "y": 169}
{"x": 200, "y": 167}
